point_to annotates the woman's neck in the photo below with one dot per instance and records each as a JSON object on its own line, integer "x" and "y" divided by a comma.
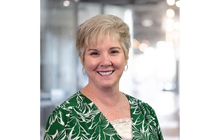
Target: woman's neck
{"x": 112, "y": 103}
{"x": 108, "y": 96}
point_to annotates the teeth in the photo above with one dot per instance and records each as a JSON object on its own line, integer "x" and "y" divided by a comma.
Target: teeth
{"x": 105, "y": 73}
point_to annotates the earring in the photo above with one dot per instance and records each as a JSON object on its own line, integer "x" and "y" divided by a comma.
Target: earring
{"x": 84, "y": 71}
{"x": 126, "y": 67}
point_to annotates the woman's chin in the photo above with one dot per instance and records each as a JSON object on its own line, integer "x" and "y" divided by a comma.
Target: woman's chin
{"x": 107, "y": 86}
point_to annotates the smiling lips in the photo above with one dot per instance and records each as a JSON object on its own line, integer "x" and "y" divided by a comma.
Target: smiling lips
{"x": 106, "y": 73}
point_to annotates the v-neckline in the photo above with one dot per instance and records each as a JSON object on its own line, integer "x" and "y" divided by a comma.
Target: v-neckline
{"x": 104, "y": 115}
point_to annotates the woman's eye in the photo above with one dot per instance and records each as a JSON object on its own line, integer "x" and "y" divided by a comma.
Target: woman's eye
{"x": 94, "y": 53}
{"x": 114, "y": 52}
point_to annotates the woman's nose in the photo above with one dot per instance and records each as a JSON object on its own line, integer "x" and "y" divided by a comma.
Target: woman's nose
{"x": 105, "y": 61}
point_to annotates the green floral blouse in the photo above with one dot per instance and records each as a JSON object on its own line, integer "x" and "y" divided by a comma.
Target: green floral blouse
{"x": 78, "y": 118}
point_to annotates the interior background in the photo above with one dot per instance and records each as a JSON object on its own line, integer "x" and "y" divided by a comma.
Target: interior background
{"x": 152, "y": 74}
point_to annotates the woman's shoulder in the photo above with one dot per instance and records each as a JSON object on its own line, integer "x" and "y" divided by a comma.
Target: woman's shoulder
{"x": 71, "y": 102}
{"x": 133, "y": 99}
{"x": 139, "y": 103}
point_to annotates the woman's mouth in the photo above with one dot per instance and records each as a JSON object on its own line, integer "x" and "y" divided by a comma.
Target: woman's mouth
{"x": 106, "y": 73}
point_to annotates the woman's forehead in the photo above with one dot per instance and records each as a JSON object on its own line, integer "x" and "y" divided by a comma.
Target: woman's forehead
{"x": 100, "y": 40}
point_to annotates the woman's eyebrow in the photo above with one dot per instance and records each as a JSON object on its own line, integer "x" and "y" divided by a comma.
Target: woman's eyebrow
{"x": 119, "y": 48}
{"x": 92, "y": 50}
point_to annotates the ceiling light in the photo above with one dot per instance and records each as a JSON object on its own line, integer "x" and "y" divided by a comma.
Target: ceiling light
{"x": 170, "y": 13}
{"x": 170, "y": 2}
{"x": 142, "y": 47}
{"x": 66, "y": 3}
{"x": 178, "y": 4}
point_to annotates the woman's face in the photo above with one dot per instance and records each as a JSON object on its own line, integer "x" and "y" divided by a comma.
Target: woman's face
{"x": 104, "y": 64}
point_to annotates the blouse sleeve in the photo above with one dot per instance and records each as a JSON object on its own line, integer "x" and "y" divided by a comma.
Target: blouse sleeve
{"x": 158, "y": 128}
{"x": 159, "y": 132}
{"x": 55, "y": 127}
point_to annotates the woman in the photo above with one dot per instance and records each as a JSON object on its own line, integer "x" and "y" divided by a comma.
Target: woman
{"x": 100, "y": 110}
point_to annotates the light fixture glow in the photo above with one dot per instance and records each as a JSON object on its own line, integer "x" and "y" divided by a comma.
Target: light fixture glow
{"x": 169, "y": 21}
{"x": 146, "y": 42}
{"x": 160, "y": 43}
{"x": 66, "y": 3}
{"x": 170, "y": 13}
{"x": 169, "y": 28}
{"x": 147, "y": 23}
{"x": 178, "y": 4}
{"x": 177, "y": 25}
{"x": 142, "y": 47}
{"x": 169, "y": 37}
{"x": 136, "y": 43}
{"x": 170, "y": 2}
{"x": 169, "y": 25}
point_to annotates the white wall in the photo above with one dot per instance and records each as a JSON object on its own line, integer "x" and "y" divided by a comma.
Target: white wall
{"x": 199, "y": 70}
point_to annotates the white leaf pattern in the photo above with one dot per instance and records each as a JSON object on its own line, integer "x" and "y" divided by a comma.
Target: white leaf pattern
{"x": 79, "y": 119}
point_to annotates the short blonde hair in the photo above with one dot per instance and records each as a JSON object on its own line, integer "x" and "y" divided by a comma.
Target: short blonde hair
{"x": 92, "y": 31}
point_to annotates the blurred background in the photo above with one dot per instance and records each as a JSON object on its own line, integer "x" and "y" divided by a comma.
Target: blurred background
{"x": 153, "y": 65}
